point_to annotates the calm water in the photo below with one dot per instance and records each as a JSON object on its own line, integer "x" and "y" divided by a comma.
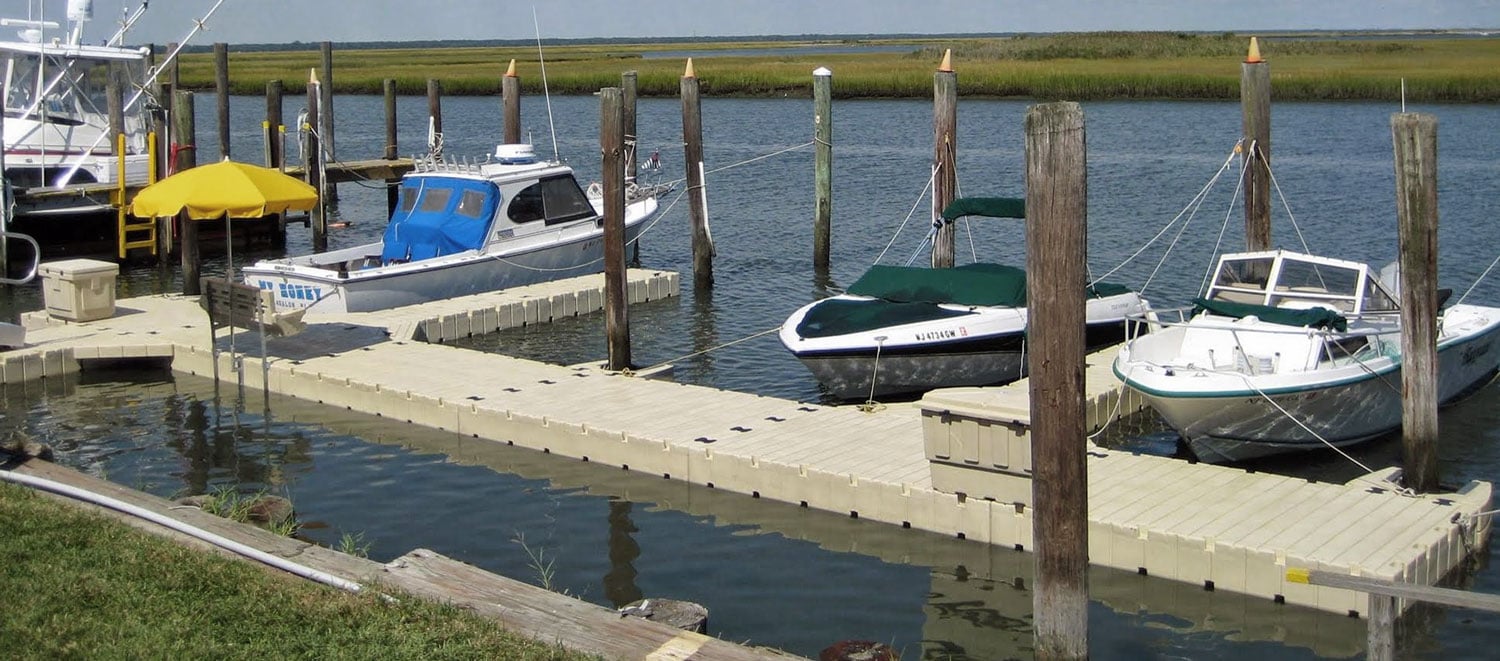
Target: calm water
{"x": 773, "y": 574}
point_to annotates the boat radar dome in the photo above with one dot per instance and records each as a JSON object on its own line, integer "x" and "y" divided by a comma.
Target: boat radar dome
{"x": 519, "y": 154}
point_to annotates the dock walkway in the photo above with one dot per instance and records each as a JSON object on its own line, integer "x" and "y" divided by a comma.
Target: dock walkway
{"x": 1221, "y": 528}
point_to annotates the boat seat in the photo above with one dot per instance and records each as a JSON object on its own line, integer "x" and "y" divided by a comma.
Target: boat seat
{"x": 1234, "y": 296}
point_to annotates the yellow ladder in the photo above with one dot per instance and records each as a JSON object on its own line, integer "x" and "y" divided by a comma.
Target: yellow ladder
{"x": 143, "y": 230}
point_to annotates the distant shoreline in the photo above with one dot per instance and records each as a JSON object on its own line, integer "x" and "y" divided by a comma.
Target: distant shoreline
{"x": 1449, "y": 66}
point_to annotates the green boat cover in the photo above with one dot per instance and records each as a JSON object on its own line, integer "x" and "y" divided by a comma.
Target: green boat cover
{"x": 994, "y": 207}
{"x": 839, "y": 316}
{"x": 1315, "y": 318}
{"x": 909, "y": 294}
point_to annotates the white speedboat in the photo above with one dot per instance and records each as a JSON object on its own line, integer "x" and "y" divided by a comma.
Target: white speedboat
{"x": 907, "y": 329}
{"x": 57, "y": 123}
{"x": 902, "y": 329}
{"x": 460, "y": 229}
{"x": 1288, "y": 352}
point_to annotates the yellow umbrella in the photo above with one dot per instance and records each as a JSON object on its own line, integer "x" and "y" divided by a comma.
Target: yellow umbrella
{"x": 210, "y": 192}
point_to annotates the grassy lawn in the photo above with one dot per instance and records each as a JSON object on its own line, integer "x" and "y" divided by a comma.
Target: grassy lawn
{"x": 1066, "y": 66}
{"x": 78, "y": 585}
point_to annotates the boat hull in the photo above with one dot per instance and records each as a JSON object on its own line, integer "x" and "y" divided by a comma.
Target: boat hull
{"x": 1270, "y": 414}
{"x": 985, "y": 348}
{"x": 321, "y": 291}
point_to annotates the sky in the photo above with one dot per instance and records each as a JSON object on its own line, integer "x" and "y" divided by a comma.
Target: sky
{"x": 285, "y": 21}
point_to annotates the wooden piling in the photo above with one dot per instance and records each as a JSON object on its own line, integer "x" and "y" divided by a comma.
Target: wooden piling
{"x": 312, "y": 162}
{"x": 221, "y": 87}
{"x": 1056, "y": 231}
{"x": 1255, "y": 107}
{"x": 632, "y": 141}
{"x": 944, "y": 156}
{"x": 114, "y": 93}
{"x": 275, "y": 157}
{"x": 435, "y": 118}
{"x": 822, "y": 167}
{"x": 272, "y": 132}
{"x": 1415, "y": 139}
{"x": 692, "y": 148}
{"x": 510, "y": 102}
{"x": 392, "y": 186}
{"x": 612, "y": 149}
{"x": 184, "y": 157}
{"x": 325, "y": 125}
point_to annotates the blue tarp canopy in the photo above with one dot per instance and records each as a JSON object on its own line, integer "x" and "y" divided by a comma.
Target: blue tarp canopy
{"x": 447, "y": 215}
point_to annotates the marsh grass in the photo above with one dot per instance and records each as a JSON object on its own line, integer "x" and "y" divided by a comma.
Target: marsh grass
{"x": 78, "y": 585}
{"x": 1073, "y": 66}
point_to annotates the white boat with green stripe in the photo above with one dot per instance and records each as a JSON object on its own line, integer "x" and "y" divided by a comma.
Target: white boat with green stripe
{"x": 1288, "y": 352}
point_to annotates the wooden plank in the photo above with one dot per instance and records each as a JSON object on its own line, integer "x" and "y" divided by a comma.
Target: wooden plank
{"x": 543, "y": 614}
{"x": 1489, "y": 603}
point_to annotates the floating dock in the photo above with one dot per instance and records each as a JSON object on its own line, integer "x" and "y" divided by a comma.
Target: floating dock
{"x": 957, "y": 463}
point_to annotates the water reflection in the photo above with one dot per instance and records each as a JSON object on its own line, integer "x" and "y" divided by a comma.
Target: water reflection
{"x": 617, "y": 536}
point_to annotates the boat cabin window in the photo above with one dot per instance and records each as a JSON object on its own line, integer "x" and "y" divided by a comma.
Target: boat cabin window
{"x": 409, "y": 197}
{"x": 435, "y": 199}
{"x": 1242, "y": 280}
{"x": 1376, "y": 298}
{"x": 553, "y": 200}
{"x": 470, "y": 205}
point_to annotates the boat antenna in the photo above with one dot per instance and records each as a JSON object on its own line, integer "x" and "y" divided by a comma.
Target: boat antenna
{"x": 1403, "y": 95}
{"x": 199, "y": 24}
{"x": 545, "y": 94}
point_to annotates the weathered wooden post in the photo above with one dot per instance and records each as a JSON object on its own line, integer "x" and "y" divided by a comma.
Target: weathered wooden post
{"x": 692, "y": 148}
{"x": 275, "y": 157}
{"x": 612, "y": 148}
{"x": 1255, "y": 106}
{"x": 822, "y": 167}
{"x": 312, "y": 161}
{"x": 1056, "y": 247}
{"x": 510, "y": 101}
{"x": 325, "y": 125}
{"x": 944, "y": 157}
{"x": 273, "y": 130}
{"x": 632, "y": 141}
{"x": 114, "y": 92}
{"x": 392, "y": 187}
{"x": 435, "y": 119}
{"x": 221, "y": 86}
{"x": 1415, "y": 138}
{"x": 185, "y": 156}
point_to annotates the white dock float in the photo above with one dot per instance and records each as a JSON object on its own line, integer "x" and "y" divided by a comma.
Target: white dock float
{"x": 1221, "y": 528}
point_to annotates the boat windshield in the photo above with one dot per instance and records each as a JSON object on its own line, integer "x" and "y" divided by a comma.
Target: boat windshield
{"x": 554, "y": 200}
{"x": 70, "y": 91}
{"x": 1295, "y": 281}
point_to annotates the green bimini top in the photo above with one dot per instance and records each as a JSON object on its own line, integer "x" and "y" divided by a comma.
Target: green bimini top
{"x": 909, "y": 294}
{"x": 1314, "y": 318}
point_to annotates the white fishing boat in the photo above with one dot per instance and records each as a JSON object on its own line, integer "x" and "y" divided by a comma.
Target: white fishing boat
{"x": 908, "y": 329}
{"x": 1288, "y": 352}
{"x": 461, "y": 228}
{"x": 57, "y": 110}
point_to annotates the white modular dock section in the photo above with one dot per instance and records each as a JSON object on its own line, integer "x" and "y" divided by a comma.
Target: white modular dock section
{"x": 956, "y": 463}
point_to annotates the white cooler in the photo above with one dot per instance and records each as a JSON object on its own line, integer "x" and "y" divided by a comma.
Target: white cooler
{"x": 79, "y": 289}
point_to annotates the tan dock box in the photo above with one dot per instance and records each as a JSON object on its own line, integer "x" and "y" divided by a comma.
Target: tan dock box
{"x": 79, "y": 289}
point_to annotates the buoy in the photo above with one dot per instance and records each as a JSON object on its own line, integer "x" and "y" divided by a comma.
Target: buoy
{"x": 947, "y": 65}
{"x": 1254, "y": 56}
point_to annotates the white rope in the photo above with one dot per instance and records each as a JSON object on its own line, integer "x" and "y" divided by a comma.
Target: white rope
{"x": 1208, "y": 270}
{"x": 1481, "y": 277}
{"x": 909, "y": 214}
{"x": 1255, "y": 153}
{"x": 712, "y": 348}
{"x": 1193, "y": 205}
{"x": 762, "y": 157}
